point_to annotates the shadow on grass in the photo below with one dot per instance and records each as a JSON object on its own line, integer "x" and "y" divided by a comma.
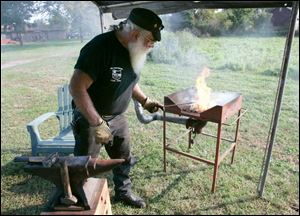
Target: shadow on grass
{"x": 171, "y": 186}
{"x": 28, "y": 210}
{"x": 28, "y": 185}
{"x": 19, "y": 182}
{"x": 292, "y": 73}
{"x": 181, "y": 175}
{"x": 237, "y": 201}
{"x": 226, "y": 204}
{"x": 12, "y": 169}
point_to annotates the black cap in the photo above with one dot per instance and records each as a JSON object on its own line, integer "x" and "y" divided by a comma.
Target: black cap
{"x": 148, "y": 20}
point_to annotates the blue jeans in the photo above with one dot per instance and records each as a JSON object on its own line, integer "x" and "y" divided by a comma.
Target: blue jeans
{"x": 119, "y": 148}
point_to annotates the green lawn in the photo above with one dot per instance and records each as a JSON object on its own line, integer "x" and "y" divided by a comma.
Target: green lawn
{"x": 31, "y": 74}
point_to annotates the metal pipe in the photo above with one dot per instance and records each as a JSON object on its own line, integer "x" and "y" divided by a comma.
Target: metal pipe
{"x": 145, "y": 119}
{"x": 277, "y": 105}
{"x": 117, "y": 5}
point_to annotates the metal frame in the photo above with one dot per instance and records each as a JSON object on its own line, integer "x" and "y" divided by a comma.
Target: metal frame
{"x": 218, "y": 157}
{"x": 121, "y": 9}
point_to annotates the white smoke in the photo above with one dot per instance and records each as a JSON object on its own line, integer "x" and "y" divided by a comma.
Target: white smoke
{"x": 178, "y": 48}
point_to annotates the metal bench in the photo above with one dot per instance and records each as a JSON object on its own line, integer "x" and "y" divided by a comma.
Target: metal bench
{"x": 64, "y": 142}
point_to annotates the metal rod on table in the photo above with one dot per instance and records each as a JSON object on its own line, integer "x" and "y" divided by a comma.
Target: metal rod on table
{"x": 189, "y": 130}
{"x": 238, "y": 118}
{"x": 210, "y": 135}
{"x": 236, "y": 136}
{"x": 171, "y": 105}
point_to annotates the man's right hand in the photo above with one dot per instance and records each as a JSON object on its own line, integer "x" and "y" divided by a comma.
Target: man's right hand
{"x": 101, "y": 133}
{"x": 152, "y": 106}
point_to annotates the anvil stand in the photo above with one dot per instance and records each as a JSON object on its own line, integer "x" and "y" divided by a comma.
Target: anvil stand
{"x": 97, "y": 195}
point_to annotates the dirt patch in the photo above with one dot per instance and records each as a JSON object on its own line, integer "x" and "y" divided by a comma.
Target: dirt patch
{"x": 15, "y": 63}
{"x": 20, "y": 62}
{"x": 8, "y": 41}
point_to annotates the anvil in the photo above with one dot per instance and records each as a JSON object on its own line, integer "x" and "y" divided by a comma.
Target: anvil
{"x": 69, "y": 174}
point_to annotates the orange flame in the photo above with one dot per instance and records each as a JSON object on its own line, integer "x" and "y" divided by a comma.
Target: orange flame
{"x": 203, "y": 93}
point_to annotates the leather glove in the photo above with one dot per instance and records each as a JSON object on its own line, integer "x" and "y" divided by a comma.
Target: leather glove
{"x": 100, "y": 134}
{"x": 152, "y": 106}
{"x": 196, "y": 124}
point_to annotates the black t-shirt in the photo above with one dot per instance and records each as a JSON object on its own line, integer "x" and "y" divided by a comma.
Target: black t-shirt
{"x": 107, "y": 62}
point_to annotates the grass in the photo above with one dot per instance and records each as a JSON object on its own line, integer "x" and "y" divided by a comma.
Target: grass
{"x": 245, "y": 65}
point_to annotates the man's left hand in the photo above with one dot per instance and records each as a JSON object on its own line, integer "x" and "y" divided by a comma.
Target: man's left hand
{"x": 151, "y": 105}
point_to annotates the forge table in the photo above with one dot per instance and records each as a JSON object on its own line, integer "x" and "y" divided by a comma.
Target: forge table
{"x": 226, "y": 105}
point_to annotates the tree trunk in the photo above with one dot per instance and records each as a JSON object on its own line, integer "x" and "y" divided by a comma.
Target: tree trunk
{"x": 19, "y": 36}
{"x": 81, "y": 34}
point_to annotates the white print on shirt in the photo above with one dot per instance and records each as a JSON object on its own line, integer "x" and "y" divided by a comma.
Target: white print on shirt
{"x": 116, "y": 74}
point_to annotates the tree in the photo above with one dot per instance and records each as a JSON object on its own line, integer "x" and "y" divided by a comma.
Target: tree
{"x": 207, "y": 22}
{"x": 14, "y": 15}
{"x": 56, "y": 13}
{"x": 80, "y": 17}
{"x": 229, "y": 21}
{"x": 241, "y": 19}
{"x": 83, "y": 16}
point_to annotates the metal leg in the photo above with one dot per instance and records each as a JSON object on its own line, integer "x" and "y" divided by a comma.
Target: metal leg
{"x": 217, "y": 155}
{"x": 190, "y": 139}
{"x": 164, "y": 140}
{"x": 236, "y": 136}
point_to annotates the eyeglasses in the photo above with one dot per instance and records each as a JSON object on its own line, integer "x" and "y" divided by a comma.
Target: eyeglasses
{"x": 148, "y": 38}
{"x": 161, "y": 27}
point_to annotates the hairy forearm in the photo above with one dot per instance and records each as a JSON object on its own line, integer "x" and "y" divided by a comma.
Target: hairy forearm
{"x": 86, "y": 107}
{"x": 138, "y": 94}
{"x": 79, "y": 84}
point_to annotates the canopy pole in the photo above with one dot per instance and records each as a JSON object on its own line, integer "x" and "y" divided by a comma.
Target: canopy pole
{"x": 101, "y": 19}
{"x": 278, "y": 100}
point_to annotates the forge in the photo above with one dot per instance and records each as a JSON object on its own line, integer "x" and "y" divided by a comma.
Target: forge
{"x": 223, "y": 106}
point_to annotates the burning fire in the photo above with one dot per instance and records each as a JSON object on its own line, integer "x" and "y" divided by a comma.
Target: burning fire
{"x": 203, "y": 93}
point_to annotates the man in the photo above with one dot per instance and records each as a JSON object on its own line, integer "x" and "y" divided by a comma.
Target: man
{"x": 104, "y": 80}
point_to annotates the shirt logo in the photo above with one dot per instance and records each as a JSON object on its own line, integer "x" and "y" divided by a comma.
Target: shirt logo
{"x": 116, "y": 74}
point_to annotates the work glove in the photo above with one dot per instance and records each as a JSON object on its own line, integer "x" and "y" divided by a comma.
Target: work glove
{"x": 100, "y": 134}
{"x": 197, "y": 125}
{"x": 151, "y": 106}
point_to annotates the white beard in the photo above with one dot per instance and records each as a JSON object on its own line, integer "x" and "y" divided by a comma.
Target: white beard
{"x": 138, "y": 54}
